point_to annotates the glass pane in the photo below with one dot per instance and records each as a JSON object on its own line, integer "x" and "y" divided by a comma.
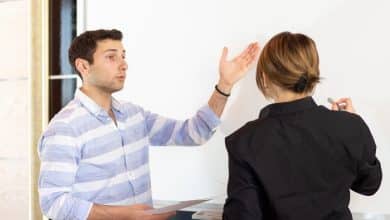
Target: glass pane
{"x": 61, "y": 91}
{"x": 63, "y": 30}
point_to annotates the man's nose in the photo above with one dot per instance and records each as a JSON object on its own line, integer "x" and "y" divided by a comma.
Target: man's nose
{"x": 123, "y": 65}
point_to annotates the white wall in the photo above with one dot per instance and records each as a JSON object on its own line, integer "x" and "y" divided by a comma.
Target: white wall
{"x": 14, "y": 84}
{"x": 173, "y": 48}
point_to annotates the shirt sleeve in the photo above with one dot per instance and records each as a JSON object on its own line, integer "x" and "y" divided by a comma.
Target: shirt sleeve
{"x": 59, "y": 154}
{"x": 245, "y": 196}
{"x": 369, "y": 172}
{"x": 197, "y": 130}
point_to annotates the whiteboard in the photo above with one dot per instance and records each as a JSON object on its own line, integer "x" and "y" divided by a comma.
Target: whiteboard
{"x": 173, "y": 49}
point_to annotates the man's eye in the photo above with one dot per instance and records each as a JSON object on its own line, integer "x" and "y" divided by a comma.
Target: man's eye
{"x": 111, "y": 57}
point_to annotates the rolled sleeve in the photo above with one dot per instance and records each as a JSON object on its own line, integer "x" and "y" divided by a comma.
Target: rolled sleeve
{"x": 76, "y": 209}
{"x": 209, "y": 116}
{"x": 194, "y": 131}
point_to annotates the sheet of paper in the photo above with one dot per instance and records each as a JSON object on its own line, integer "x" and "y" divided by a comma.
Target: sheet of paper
{"x": 177, "y": 206}
{"x": 208, "y": 215}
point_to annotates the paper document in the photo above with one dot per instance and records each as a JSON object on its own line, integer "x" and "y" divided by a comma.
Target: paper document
{"x": 208, "y": 215}
{"x": 177, "y": 206}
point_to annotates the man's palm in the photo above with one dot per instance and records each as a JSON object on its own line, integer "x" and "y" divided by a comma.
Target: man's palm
{"x": 233, "y": 70}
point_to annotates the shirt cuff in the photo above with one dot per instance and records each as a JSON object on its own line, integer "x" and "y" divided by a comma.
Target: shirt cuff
{"x": 208, "y": 115}
{"x": 82, "y": 209}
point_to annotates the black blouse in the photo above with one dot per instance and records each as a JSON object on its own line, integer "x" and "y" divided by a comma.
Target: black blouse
{"x": 298, "y": 161}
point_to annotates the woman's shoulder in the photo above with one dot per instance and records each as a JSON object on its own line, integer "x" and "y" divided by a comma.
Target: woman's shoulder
{"x": 341, "y": 116}
{"x": 252, "y": 128}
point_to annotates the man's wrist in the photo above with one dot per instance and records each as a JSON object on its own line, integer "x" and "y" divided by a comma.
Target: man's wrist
{"x": 221, "y": 92}
{"x": 224, "y": 87}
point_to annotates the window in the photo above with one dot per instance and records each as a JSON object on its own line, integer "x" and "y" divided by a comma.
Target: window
{"x": 62, "y": 79}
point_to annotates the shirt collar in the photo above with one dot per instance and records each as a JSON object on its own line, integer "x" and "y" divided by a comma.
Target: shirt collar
{"x": 116, "y": 105}
{"x": 288, "y": 107}
{"x": 93, "y": 107}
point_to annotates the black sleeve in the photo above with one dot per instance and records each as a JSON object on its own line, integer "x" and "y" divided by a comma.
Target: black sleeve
{"x": 244, "y": 200}
{"x": 369, "y": 172}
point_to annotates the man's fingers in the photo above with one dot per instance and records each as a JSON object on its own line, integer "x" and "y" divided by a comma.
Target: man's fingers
{"x": 250, "y": 54}
{"x": 255, "y": 48}
{"x": 224, "y": 54}
{"x": 164, "y": 216}
{"x": 247, "y": 55}
{"x": 248, "y": 51}
{"x": 253, "y": 52}
{"x": 140, "y": 207}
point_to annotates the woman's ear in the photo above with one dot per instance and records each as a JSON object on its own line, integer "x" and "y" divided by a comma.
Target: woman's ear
{"x": 82, "y": 66}
{"x": 265, "y": 80}
{"x": 268, "y": 87}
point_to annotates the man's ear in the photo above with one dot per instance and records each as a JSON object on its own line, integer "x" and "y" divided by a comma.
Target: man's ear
{"x": 82, "y": 66}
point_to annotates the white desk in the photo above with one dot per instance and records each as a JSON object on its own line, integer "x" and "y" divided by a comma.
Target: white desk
{"x": 219, "y": 207}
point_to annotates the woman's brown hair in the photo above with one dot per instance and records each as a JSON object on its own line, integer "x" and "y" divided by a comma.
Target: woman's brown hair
{"x": 291, "y": 62}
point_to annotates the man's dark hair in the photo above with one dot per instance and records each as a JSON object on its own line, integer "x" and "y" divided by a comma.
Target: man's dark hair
{"x": 84, "y": 45}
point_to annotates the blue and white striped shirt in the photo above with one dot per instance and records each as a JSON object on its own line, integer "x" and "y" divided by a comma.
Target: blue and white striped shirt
{"x": 86, "y": 158}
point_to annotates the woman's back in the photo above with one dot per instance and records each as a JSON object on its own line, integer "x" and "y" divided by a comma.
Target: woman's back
{"x": 298, "y": 161}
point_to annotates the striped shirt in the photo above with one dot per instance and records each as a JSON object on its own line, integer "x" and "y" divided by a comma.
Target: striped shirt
{"x": 86, "y": 158}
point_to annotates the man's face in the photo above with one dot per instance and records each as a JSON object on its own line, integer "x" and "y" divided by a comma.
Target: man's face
{"x": 108, "y": 71}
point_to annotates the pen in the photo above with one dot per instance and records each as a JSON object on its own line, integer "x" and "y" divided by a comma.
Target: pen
{"x": 331, "y": 101}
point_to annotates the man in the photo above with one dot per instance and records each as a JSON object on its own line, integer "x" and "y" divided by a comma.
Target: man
{"x": 94, "y": 153}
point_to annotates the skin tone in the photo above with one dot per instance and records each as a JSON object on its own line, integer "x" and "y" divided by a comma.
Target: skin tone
{"x": 231, "y": 71}
{"x": 345, "y": 103}
{"x": 107, "y": 75}
{"x": 131, "y": 212}
{"x": 278, "y": 94}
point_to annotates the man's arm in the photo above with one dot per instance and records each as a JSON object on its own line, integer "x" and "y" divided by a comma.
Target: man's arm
{"x": 132, "y": 212}
{"x": 59, "y": 155}
{"x": 163, "y": 131}
{"x": 230, "y": 72}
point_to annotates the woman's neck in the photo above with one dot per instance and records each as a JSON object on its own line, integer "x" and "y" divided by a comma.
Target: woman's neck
{"x": 287, "y": 96}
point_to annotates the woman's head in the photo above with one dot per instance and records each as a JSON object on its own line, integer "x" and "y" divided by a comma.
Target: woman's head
{"x": 289, "y": 61}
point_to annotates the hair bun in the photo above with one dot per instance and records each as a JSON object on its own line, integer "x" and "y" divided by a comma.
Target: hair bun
{"x": 300, "y": 86}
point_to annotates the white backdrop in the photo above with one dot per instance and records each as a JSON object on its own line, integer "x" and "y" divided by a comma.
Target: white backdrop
{"x": 173, "y": 49}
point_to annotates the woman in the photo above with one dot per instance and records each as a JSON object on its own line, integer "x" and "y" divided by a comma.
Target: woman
{"x": 298, "y": 160}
